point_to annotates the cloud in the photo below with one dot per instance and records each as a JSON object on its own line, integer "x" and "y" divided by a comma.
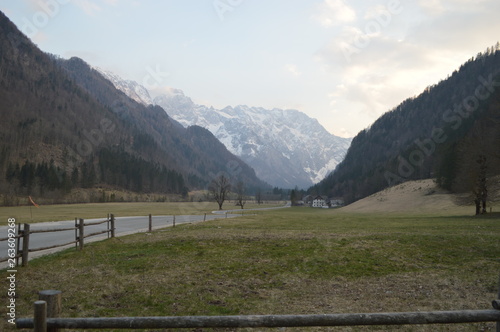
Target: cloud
{"x": 334, "y": 12}
{"x": 89, "y": 7}
{"x": 432, "y": 7}
{"x": 460, "y": 27}
{"x": 343, "y": 132}
{"x": 439, "y": 7}
{"x": 420, "y": 46}
{"x": 292, "y": 69}
{"x": 381, "y": 77}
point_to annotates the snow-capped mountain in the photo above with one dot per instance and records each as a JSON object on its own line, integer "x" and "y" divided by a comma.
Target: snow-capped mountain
{"x": 131, "y": 88}
{"x": 286, "y": 148}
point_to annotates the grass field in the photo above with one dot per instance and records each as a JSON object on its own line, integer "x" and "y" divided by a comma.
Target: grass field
{"x": 27, "y": 214}
{"x": 289, "y": 261}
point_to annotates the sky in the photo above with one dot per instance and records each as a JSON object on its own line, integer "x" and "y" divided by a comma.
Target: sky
{"x": 344, "y": 63}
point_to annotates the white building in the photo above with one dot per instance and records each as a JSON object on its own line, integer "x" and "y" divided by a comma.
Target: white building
{"x": 318, "y": 201}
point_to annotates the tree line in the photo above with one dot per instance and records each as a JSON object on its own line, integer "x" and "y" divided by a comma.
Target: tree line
{"x": 110, "y": 168}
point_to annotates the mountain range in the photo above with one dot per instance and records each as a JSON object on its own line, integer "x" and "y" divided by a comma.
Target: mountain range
{"x": 286, "y": 148}
{"x": 65, "y": 126}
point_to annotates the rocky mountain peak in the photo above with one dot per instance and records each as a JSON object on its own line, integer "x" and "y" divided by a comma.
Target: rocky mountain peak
{"x": 286, "y": 148}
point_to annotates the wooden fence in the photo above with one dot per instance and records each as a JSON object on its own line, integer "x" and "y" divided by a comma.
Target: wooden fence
{"x": 24, "y": 232}
{"x": 48, "y": 309}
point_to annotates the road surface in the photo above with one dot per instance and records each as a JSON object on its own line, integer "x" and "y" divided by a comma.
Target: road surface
{"x": 123, "y": 226}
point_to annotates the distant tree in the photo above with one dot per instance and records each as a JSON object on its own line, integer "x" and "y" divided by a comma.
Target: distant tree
{"x": 219, "y": 189}
{"x": 258, "y": 196}
{"x": 240, "y": 192}
{"x": 293, "y": 196}
{"x": 27, "y": 176}
{"x": 480, "y": 191}
{"x": 75, "y": 177}
{"x": 12, "y": 172}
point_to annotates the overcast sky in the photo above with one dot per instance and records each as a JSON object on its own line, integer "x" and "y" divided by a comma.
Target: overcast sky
{"x": 342, "y": 62}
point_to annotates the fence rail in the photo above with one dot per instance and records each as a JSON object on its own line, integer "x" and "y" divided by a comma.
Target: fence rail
{"x": 23, "y": 234}
{"x": 23, "y": 238}
{"x": 53, "y": 230}
{"x": 48, "y": 319}
{"x": 52, "y": 247}
{"x": 95, "y": 223}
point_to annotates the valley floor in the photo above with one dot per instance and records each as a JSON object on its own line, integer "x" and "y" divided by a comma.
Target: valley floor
{"x": 288, "y": 261}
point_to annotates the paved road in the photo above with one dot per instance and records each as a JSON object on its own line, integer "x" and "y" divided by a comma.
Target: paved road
{"x": 123, "y": 226}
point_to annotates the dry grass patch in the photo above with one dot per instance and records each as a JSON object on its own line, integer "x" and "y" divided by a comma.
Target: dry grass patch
{"x": 293, "y": 261}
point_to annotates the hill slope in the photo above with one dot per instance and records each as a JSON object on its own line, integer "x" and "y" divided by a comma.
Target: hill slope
{"x": 64, "y": 126}
{"x": 411, "y": 196}
{"x": 439, "y": 133}
{"x": 420, "y": 196}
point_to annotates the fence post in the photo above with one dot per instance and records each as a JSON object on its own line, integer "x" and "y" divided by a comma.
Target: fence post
{"x": 112, "y": 225}
{"x": 53, "y": 299}
{"x": 173, "y": 225}
{"x": 19, "y": 251}
{"x": 76, "y": 233}
{"x": 26, "y": 244}
{"x": 150, "y": 223}
{"x": 40, "y": 316}
{"x": 498, "y": 303}
{"x": 80, "y": 233}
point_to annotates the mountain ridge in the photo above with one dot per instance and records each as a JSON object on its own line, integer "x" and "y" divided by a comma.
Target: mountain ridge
{"x": 64, "y": 126}
{"x": 438, "y": 134}
{"x": 286, "y": 148}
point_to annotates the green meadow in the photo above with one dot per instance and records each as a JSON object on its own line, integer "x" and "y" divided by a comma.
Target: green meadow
{"x": 31, "y": 214}
{"x": 288, "y": 261}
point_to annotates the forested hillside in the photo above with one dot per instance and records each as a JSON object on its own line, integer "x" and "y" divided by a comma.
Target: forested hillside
{"x": 442, "y": 134}
{"x": 64, "y": 126}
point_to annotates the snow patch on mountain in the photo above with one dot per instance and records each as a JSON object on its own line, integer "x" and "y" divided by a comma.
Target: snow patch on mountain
{"x": 131, "y": 88}
{"x": 285, "y": 147}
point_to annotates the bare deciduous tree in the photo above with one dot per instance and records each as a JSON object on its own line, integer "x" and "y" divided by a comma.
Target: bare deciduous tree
{"x": 258, "y": 196}
{"x": 240, "y": 192}
{"x": 219, "y": 189}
